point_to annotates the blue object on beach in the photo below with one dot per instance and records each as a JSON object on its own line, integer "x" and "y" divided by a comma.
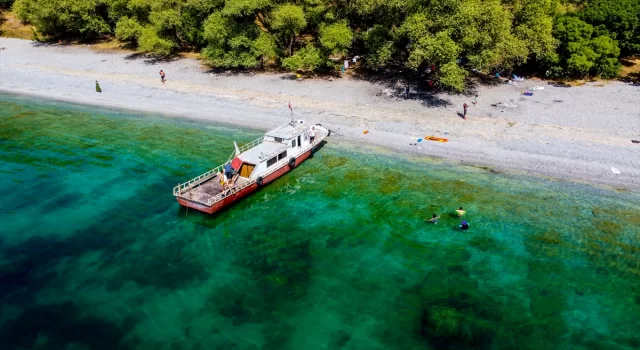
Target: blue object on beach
{"x": 419, "y": 140}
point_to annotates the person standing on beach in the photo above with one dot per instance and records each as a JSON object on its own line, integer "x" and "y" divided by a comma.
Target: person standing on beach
{"x": 98, "y": 89}
{"x": 465, "y": 106}
{"x": 475, "y": 100}
{"x": 406, "y": 92}
{"x": 162, "y": 76}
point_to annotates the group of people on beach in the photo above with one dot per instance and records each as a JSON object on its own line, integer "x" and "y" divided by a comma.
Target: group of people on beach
{"x": 464, "y": 225}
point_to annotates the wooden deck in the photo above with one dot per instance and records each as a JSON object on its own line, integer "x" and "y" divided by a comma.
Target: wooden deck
{"x": 210, "y": 189}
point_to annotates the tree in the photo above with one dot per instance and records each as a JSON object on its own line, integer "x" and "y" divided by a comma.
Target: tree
{"x": 128, "y": 29}
{"x": 265, "y": 48}
{"x": 62, "y": 17}
{"x": 309, "y": 59}
{"x": 451, "y": 77}
{"x": 533, "y": 22}
{"x": 581, "y": 53}
{"x": 620, "y": 17}
{"x": 288, "y": 20}
{"x": 336, "y": 38}
{"x": 231, "y": 44}
{"x": 438, "y": 49}
{"x": 150, "y": 42}
{"x": 379, "y": 46}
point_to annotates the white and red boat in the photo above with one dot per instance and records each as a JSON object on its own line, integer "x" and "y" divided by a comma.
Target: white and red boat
{"x": 252, "y": 166}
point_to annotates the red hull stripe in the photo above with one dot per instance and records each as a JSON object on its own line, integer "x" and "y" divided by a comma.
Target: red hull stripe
{"x": 244, "y": 192}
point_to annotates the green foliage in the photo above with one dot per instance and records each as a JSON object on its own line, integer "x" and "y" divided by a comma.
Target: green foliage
{"x": 244, "y": 7}
{"x": 620, "y": 17}
{"x": 583, "y": 54}
{"x": 451, "y": 77}
{"x": 6, "y": 3}
{"x": 533, "y": 21}
{"x": 150, "y": 42}
{"x": 438, "y": 49}
{"x": 336, "y": 38}
{"x": 231, "y": 44}
{"x": 561, "y": 37}
{"x": 287, "y": 21}
{"x": 265, "y": 47}
{"x": 309, "y": 59}
{"x": 289, "y": 18}
{"x": 64, "y": 17}
{"x": 379, "y": 46}
{"x": 128, "y": 29}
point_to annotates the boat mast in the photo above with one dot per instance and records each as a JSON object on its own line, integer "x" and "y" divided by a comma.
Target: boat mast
{"x": 293, "y": 123}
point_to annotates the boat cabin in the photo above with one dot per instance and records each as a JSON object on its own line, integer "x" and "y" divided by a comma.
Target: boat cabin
{"x": 277, "y": 148}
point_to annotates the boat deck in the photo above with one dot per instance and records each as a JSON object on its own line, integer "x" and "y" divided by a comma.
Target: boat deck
{"x": 209, "y": 189}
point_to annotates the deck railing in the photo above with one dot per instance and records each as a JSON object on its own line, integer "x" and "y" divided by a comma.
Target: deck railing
{"x": 251, "y": 144}
{"x": 191, "y": 184}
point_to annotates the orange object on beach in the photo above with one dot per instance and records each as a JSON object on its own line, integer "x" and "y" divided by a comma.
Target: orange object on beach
{"x": 365, "y": 132}
{"x": 433, "y": 138}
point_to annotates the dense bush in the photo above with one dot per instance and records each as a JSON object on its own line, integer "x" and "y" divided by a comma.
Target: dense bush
{"x": 5, "y": 4}
{"x": 561, "y": 37}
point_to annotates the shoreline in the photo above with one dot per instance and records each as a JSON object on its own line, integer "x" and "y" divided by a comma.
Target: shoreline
{"x": 576, "y": 141}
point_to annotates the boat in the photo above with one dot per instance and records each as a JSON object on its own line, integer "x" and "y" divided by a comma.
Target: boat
{"x": 251, "y": 167}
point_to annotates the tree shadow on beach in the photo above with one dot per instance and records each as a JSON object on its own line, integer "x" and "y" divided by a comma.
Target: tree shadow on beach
{"x": 151, "y": 59}
{"x": 395, "y": 82}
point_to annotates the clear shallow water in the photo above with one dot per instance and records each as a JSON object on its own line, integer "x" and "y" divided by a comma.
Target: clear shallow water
{"x": 96, "y": 254}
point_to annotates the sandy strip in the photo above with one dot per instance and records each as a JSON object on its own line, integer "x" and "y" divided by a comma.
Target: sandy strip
{"x": 576, "y": 133}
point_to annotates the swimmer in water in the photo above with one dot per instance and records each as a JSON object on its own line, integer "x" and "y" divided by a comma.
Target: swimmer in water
{"x": 434, "y": 219}
{"x": 465, "y": 225}
{"x": 460, "y": 211}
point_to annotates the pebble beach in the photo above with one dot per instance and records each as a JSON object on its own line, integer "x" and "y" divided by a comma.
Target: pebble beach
{"x": 579, "y": 133}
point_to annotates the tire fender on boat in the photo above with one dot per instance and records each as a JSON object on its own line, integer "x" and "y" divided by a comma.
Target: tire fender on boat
{"x": 292, "y": 162}
{"x": 259, "y": 180}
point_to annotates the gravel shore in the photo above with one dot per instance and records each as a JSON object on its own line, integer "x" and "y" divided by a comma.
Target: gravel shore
{"x": 575, "y": 133}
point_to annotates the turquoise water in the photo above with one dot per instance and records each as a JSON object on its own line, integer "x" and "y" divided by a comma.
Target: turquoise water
{"x": 96, "y": 254}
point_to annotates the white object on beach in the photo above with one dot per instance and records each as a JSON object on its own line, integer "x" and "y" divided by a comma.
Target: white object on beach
{"x": 615, "y": 171}
{"x": 537, "y": 88}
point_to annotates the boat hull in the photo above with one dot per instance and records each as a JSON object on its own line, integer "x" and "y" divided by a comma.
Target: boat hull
{"x": 232, "y": 198}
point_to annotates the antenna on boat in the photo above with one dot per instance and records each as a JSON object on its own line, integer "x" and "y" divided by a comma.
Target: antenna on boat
{"x": 293, "y": 123}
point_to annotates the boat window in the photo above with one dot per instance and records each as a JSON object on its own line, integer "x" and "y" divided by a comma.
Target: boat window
{"x": 272, "y": 161}
{"x": 278, "y": 139}
{"x": 282, "y": 155}
{"x": 306, "y": 135}
{"x": 293, "y": 143}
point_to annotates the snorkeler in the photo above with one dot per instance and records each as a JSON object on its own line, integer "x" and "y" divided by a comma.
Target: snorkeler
{"x": 460, "y": 211}
{"x": 465, "y": 225}
{"x": 434, "y": 219}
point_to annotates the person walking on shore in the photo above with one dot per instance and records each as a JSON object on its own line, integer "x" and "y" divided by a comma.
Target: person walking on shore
{"x": 465, "y": 106}
{"x": 162, "y": 76}
{"x": 98, "y": 89}
{"x": 475, "y": 100}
